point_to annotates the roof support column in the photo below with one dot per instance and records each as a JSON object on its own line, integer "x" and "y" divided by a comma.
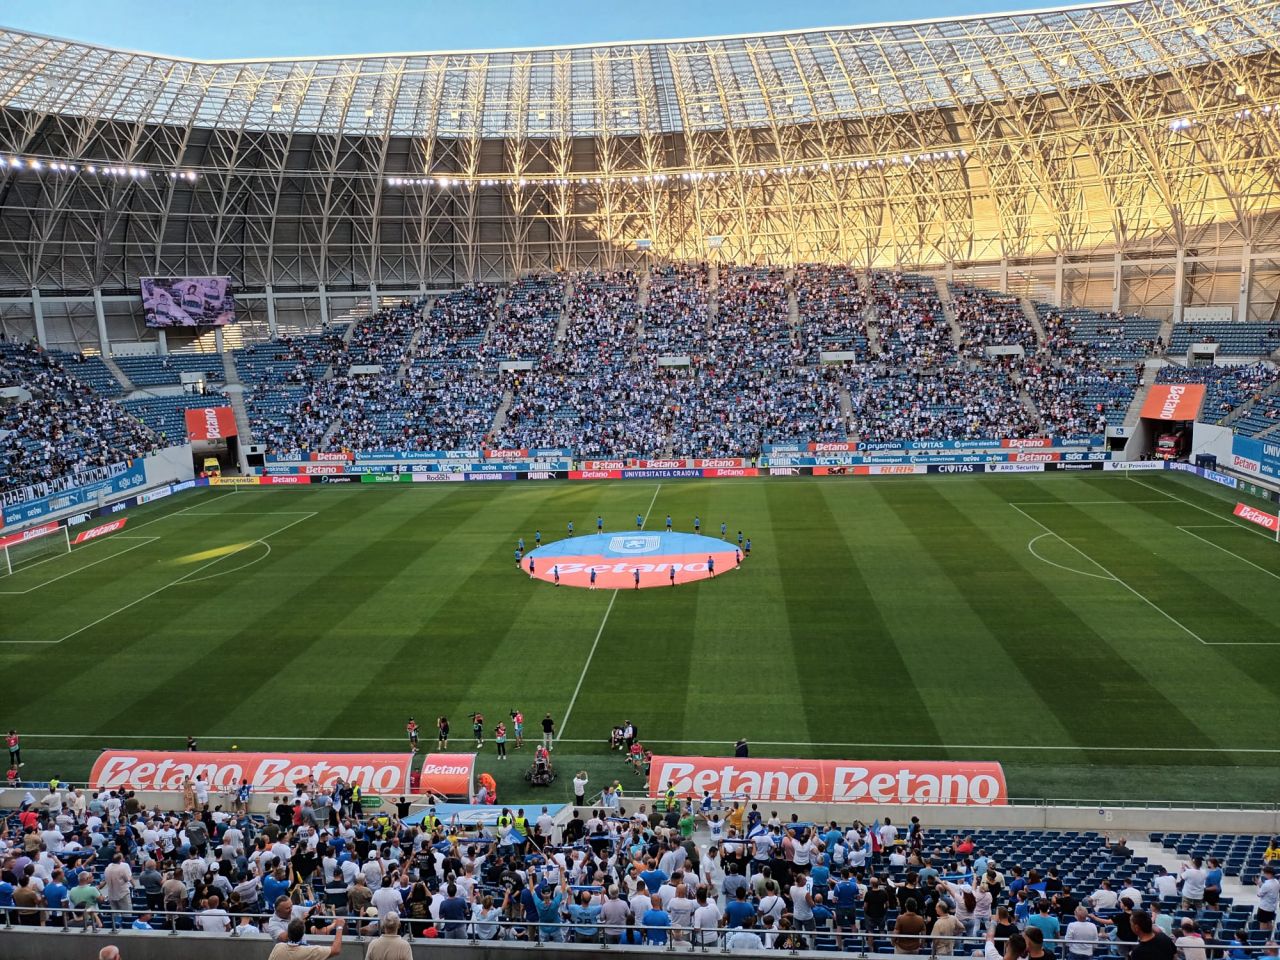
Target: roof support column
{"x": 1117, "y": 277}
{"x": 101, "y": 314}
{"x": 1179, "y": 284}
{"x": 1004, "y": 275}
{"x": 1057, "y": 280}
{"x": 271, "y": 312}
{"x": 1246, "y": 281}
{"x": 37, "y": 316}
{"x": 324, "y": 307}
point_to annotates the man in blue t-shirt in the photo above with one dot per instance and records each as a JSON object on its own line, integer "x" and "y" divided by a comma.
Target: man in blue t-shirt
{"x": 845, "y": 896}
{"x": 739, "y": 909}
{"x": 653, "y": 877}
{"x": 656, "y": 923}
{"x": 55, "y": 896}
{"x": 549, "y": 914}
{"x": 453, "y": 910}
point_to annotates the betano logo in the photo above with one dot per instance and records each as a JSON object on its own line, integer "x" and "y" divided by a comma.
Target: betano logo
{"x": 630, "y": 561}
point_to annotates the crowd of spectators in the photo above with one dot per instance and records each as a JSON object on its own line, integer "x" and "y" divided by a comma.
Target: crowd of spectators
{"x": 914, "y": 332}
{"x": 989, "y": 319}
{"x": 64, "y": 428}
{"x": 951, "y": 402}
{"x": 691, "y": 875}
{"x": 675, "y": 316}
{"x": 1228, "y": 386}
{"x": 832, "y": 307}
{"x": 526, "y": 324}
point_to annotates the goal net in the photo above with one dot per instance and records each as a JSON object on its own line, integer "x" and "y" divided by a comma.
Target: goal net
{"x": 29, "y": 547}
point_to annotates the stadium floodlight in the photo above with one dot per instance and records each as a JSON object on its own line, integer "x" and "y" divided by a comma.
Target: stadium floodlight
{"x": 33, "y": 546}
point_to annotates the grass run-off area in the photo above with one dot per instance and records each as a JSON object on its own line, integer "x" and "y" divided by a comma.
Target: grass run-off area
{"x": 1104, "y": 637}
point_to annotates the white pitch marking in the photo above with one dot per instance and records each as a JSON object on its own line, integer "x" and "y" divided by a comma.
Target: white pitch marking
{"x": 172, "y": 583}
{"x": 15, "y": 593}
{"x": 1187, "y": 531}
{"x": 1164, "y": 613}
{"x": 1230, "y": 520}
{"x": 599, "y": 633}
{"x": 1031, "y": 546}
{"x": 101, "y": 738}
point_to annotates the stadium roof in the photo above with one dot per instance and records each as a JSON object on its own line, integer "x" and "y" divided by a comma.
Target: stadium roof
{"x": 659, "y": 87}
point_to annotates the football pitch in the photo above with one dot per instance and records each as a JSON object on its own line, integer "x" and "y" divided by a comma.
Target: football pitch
{"x": 1103, "y": 636}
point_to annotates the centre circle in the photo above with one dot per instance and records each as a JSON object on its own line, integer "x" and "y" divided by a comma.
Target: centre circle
{"x": 629, "y": 561}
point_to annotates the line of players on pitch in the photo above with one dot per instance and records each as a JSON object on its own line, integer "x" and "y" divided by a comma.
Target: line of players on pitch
{"x": 477, "y": 730}
{"x": 743, "y": 551}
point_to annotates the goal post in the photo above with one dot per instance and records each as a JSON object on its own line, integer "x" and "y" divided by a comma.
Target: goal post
{"x": 23, "y": 549}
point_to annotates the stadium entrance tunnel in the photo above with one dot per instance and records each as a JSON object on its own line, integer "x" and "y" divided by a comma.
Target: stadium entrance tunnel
{"x": 660, "y": 559}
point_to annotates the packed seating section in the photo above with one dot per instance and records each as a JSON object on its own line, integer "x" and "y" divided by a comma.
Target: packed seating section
{"x": 204, "y": 866}
{"x": 684, "y": 359}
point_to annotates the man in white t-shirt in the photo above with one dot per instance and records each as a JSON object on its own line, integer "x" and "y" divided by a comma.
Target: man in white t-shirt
{"x": 1104, "y": 898}
{"x": 1165, "y": 884}
{"x": 802, "y": 902}
{"x": 1191, "y": 943}
{"x": 1268, "y": 898}
{"x": 888, "y": 834}
{"x": 1132, "y": 894}
{"x": 580, "y": 788}
{"x": 1193, "y": 880}
{"x": 1081, "y": 936}
{"x": 706, "y": 918}
{"x": 213, "y": 919}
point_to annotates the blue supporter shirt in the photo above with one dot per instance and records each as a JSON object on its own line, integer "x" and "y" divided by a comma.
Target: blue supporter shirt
{"x": 656, "y": 923}
{"x": 737, "y": 912}
{"x": 55, "y": 895}
{"x": 584, "y": 918}
{"x": 1047, "y": 924}
{"x": 653, "y": 879}
{"x": 6, "y": 894}
{"x": 820, "y": 875}
{"x": 846, "y": 894}
{"x": 273, "y": 890}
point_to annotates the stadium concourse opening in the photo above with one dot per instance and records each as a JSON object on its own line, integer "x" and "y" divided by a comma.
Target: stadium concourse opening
{"x": 631, "y": 560}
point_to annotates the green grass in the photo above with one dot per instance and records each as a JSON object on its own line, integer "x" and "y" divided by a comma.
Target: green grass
{"x": 894, "y": 618}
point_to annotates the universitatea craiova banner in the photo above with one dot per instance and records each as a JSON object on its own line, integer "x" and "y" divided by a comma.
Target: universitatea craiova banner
{"x": 911, "y": 782}
{"x": 1173, "y": 401}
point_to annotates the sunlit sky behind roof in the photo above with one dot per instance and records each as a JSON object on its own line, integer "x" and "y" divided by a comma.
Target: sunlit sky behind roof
{"x": 232, "y": 29}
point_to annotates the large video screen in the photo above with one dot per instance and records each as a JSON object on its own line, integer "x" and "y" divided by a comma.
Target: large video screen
{"x": 188, "y": 301}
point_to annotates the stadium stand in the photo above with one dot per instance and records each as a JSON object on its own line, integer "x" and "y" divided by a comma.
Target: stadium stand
{"x": 1243, "y": 339}
{"x": 64, "y": 427}
{"x": 164, "y": 415}
{"x": 1227, "y": 386}
{"x": 990, "y": 319}
{"x": 91, "y": 371}
{"x": 1106, "y": 335}
{"x": 914, "y": 330}
{"x": 813, "y": 887}
{"x": 832, "y": 307}
{"x": 157, "y": 371}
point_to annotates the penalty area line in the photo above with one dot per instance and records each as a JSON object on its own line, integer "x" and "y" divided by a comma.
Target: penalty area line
{"x": 599, "y": 633}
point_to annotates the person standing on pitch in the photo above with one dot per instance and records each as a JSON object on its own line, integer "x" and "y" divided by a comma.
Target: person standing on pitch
{"x": 668, "y": 523}
{"x": 593, "y": 578}
{"x": 411, "y": 728}
{"x": 517, "y": 723}
{"x": 519, "y": 557}
{"x": 500, "y": 738}
{"x": 532, "y": 567}
{"x": 537, "y": 538}
{"x": 571, "y": 528}
{"x": 711, "y": 565}
{"x": 548, "y": 732}
{"x": 697, "y": 524}
{"x": 746, "y": 551}
{"x": 636, "y": 574}
{"x": 555, "y": 572}
{"x": 673, "y": 575}
{"x": 639, "y": 521}
{"x": 15, "y": 748}
{"x": 599, "y": 524}
{"x": 724, "y": 529}
{"x": 442, "y": 732}
{"x": 477, "y": 729}
{"x": 739, "y": 538}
